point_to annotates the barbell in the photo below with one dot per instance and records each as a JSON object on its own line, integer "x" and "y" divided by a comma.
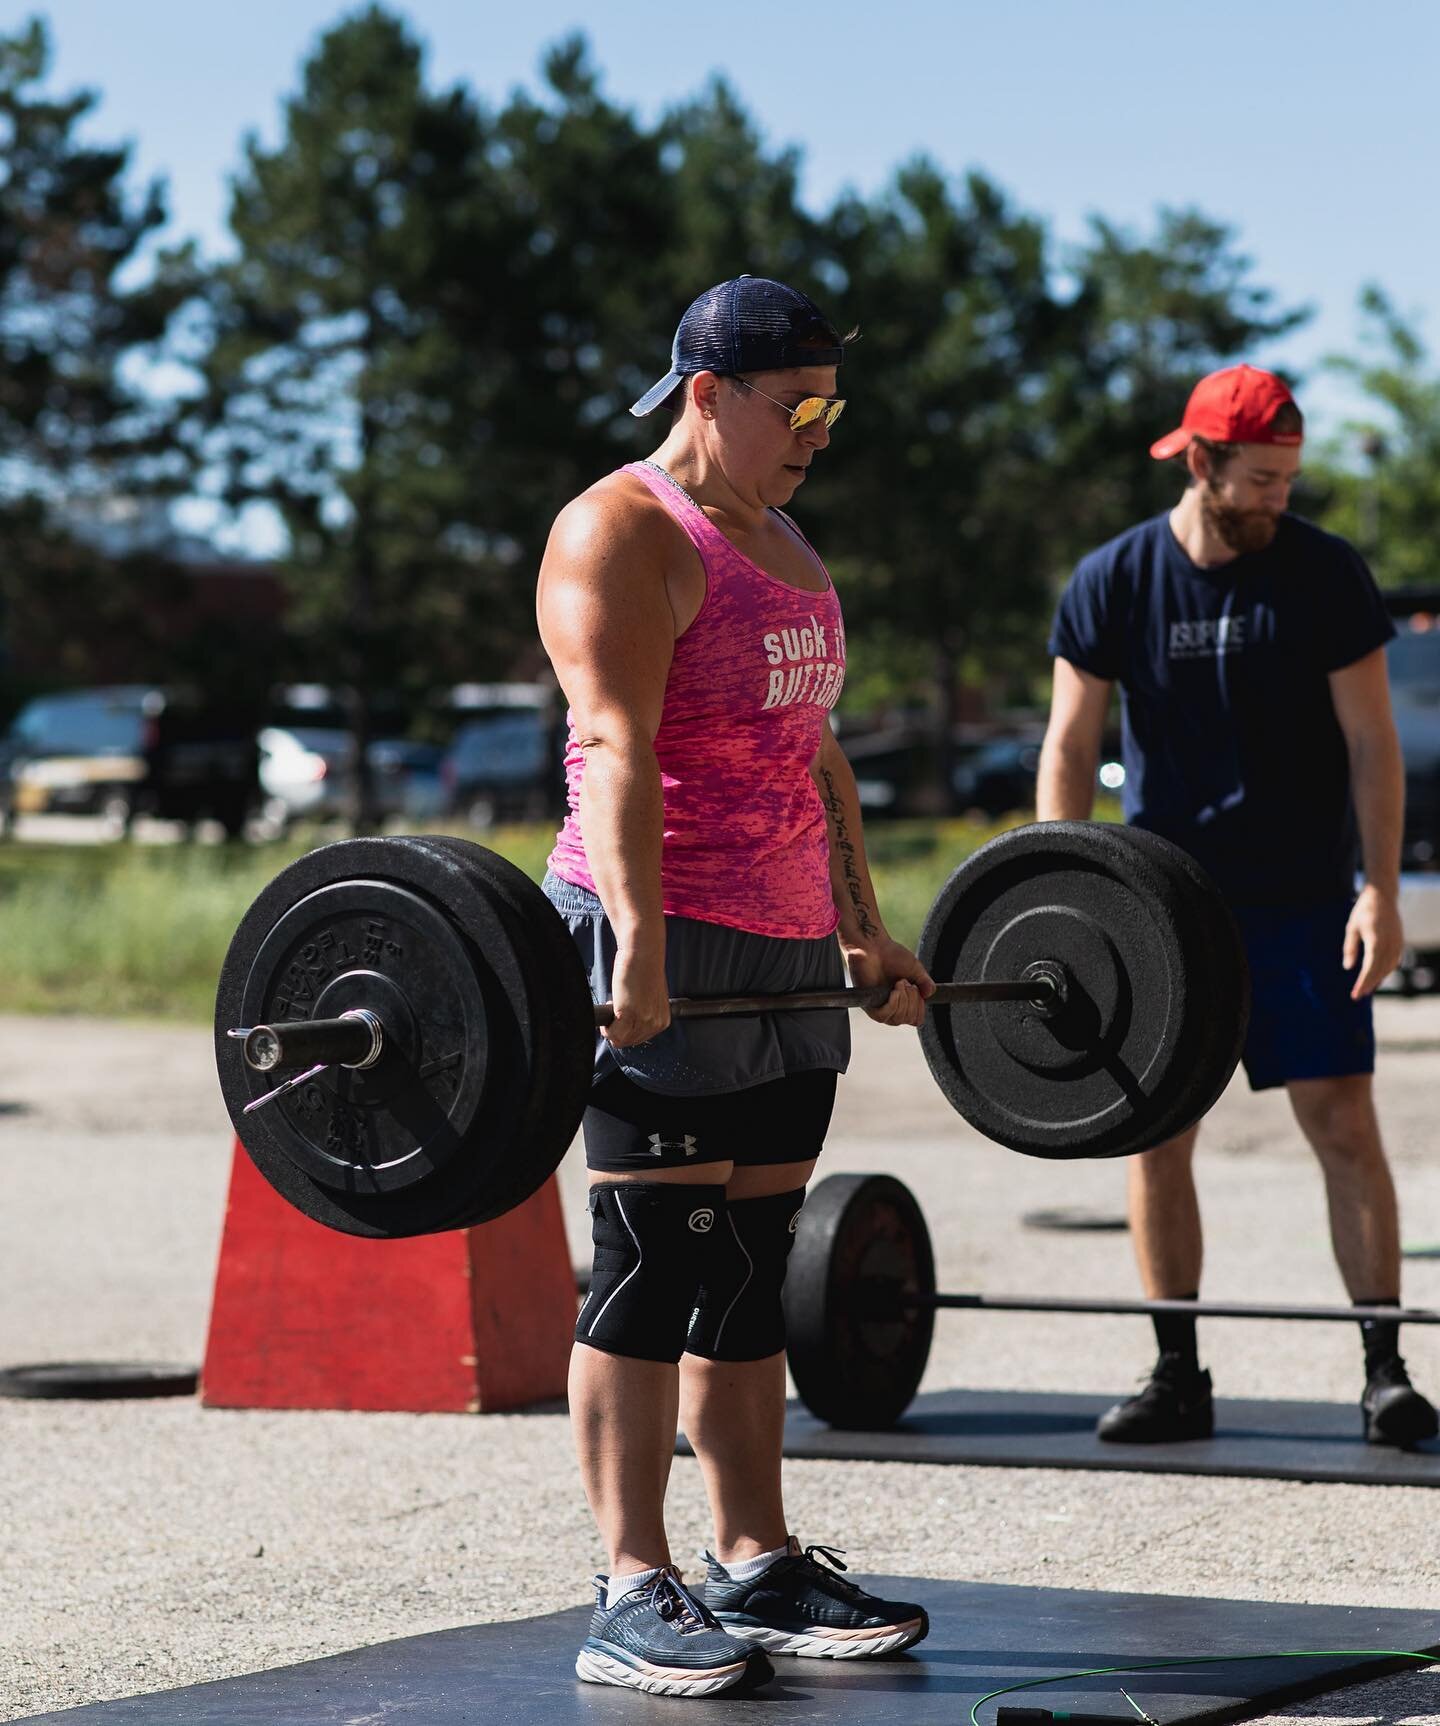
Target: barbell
{"x": 430, "y": 1022}
{"x": 860, "y": 1302}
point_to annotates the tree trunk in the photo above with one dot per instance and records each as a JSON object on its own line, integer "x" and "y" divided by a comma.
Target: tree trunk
{"x": 363, "y": 591}
{"x": 364, "y": 816}
{"x": 947, "y": 690}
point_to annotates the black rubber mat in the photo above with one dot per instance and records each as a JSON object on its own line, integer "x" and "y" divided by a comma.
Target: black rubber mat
{"x": 981, "y": 1637}
{"x": 1036, "y": 1429}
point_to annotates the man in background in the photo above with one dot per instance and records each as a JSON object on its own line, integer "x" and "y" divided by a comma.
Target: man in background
{"x": 1249, "y": 648}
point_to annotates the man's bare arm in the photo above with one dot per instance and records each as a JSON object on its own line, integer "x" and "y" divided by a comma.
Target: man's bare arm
{"x": 1070, "y": 754}
{"x": 1361, "y": 693}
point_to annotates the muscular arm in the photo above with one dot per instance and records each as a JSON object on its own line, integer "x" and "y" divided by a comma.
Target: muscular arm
{"x": 1070, "y": 754}
{"x": 1361, "y": 693}
{"x": 606, "y": 623}
{"x": 871, "y": 956}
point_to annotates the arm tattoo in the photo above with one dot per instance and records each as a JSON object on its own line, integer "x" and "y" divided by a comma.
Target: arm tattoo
{"x": 845, "y": 850}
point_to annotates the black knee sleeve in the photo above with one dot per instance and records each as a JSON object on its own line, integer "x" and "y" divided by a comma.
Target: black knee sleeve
{"x": 739, "y": 1316}
{"x": 653, "y": 1242}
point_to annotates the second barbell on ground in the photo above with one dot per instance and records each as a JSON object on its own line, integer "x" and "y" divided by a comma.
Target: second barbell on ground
{"x": 860, "y": 1302}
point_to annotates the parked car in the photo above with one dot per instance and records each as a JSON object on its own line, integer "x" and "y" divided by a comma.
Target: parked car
{"x": 307, "y": 774}
{"x": 503, "y": 765}
{"x": 1413, "y": 659}
{"x": 304, "y": 773}
{"x": 897, "y": 772}
{"x": 130, "y": 750}
{"x": 407, "y": 778}
{"x": 997, "y": 776}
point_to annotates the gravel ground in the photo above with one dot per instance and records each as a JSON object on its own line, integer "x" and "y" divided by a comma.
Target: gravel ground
{"x": 155, "y": 1544}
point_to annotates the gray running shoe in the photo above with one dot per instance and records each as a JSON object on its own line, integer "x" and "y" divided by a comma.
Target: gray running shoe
{"x": 799, "y": 1606}
{"x": 660, "y": 1638}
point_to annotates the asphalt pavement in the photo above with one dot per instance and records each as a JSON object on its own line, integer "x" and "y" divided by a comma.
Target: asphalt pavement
{"x": 152, "y": 1544}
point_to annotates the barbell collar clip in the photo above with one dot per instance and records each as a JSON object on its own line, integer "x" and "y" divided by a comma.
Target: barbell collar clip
{"x": 289, "y": 1085}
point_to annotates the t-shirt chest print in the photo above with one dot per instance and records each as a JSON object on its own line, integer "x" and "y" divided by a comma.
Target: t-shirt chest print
{"x": 806, "y": 665}
{"x": 1206, "y": 637}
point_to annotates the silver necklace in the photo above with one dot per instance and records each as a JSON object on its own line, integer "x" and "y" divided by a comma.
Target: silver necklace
{"x": 665, "y": 474}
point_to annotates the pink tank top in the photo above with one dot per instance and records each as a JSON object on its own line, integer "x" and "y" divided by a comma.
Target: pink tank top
{"x": 751, "y": 683}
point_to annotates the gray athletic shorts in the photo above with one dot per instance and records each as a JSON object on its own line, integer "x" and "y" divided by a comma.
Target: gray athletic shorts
{"x": 698, "y": 1057}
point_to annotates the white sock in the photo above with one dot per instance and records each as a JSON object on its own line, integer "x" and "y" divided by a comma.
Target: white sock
{"x": 618, "y": 1585}
{"x": 752, "y": 1567}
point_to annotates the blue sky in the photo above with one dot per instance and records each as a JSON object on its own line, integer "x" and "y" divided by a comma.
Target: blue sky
{"x": 1311, "y": 127}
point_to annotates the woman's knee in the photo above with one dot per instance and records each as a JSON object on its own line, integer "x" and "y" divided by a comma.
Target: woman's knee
{"x": 740, "y": 1315}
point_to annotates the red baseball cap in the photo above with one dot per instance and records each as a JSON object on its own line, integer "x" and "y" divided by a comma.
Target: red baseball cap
{"x": 1233, "y": 406}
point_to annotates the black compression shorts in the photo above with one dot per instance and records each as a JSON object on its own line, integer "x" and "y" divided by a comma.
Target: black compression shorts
{"x": 629, "y": 1130}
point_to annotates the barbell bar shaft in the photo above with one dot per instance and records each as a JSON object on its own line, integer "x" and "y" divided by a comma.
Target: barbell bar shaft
{"x": 355, "y": 1039}
{"x": 1038, "y": 990}
{"x": 1190, "y": 1308}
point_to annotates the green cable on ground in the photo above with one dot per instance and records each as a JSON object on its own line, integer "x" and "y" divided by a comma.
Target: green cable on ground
{"x": 1202, "y": 1660}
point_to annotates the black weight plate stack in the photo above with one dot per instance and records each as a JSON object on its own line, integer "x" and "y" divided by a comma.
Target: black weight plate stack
{"x": 1129, "y": 1055}
{"x": 1225, "y": 980}
{"x": 428, "y": 1135}
{"x": 1211, "y": 990}
{"x": 559, "y": 1016}
{"x": 857, "y": 1351}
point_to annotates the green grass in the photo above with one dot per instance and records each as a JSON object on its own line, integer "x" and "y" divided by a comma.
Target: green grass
{"x": 122, "y": 931}
{"x": 136, "y": 931}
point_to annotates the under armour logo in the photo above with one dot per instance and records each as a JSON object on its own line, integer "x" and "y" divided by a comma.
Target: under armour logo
{"x": 702, "y": 1221}
{"x": 794, "y": 1221}
{"x": 659, "y": 1146}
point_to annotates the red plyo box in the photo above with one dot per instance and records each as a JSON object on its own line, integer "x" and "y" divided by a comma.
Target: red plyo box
{"x": 474, "y": 1321}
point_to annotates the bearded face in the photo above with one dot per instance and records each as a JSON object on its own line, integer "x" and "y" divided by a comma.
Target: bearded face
{"x": 1244, "y": 492}
{"x": 1240, "y": 529}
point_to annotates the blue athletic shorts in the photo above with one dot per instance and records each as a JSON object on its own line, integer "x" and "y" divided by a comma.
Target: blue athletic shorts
{"x": 1303, "y": 1024}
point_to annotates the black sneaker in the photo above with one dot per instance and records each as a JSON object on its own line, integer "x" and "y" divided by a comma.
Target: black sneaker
{"x": 1395, "y": 1412}
{"x": 660, "y": 1638}
{"x": 799, "y": 1606}
{"x": 1175, "y": 1404}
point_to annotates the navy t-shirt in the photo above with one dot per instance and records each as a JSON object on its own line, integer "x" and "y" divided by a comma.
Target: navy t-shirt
{"x": 1231, "y": 744}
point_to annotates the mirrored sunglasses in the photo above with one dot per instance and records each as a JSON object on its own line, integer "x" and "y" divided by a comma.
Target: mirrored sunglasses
{"x": 804, "y": 413}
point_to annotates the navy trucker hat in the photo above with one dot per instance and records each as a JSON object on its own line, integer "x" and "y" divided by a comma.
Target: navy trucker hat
{"x": 750, "y": 324}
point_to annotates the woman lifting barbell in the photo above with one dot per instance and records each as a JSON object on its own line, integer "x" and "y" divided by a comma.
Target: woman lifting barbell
{"x": 713, "y": 842}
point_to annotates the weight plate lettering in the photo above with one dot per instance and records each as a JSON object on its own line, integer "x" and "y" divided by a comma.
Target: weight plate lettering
{"x": 371, "y": 943}
{"x": 430, "y": 1133}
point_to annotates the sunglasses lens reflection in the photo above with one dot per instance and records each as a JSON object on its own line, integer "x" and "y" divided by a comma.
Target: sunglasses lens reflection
{"x": 812, "y": 409}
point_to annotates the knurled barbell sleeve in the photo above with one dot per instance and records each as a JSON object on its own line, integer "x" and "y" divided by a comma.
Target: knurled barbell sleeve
{"x": 355, "y": 1039}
